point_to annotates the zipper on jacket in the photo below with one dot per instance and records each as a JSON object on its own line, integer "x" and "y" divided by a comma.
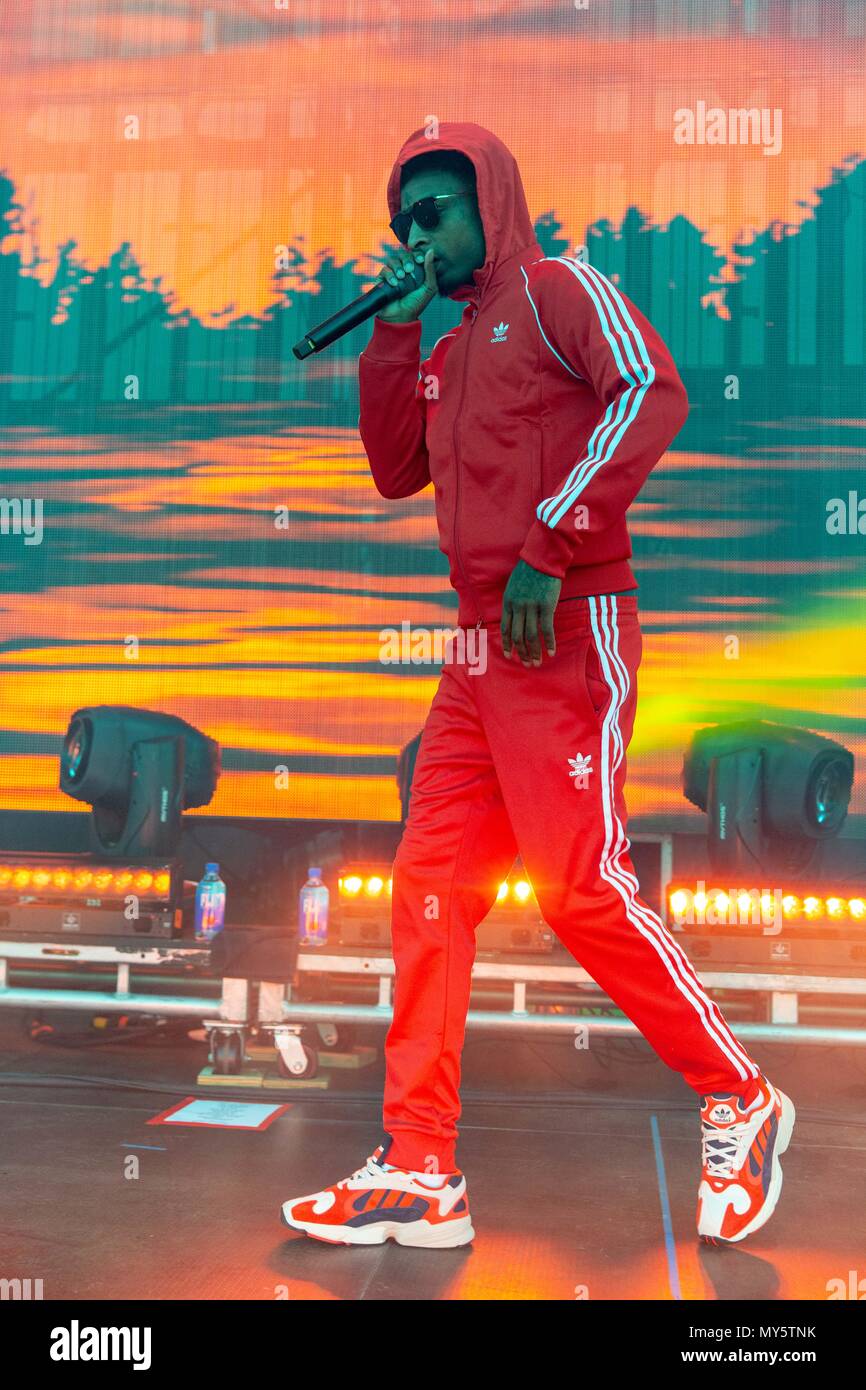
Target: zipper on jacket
{"x": 457, "y": 474}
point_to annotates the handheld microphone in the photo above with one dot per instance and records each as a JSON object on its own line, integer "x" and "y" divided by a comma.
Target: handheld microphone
{"x": 360, "y": 309}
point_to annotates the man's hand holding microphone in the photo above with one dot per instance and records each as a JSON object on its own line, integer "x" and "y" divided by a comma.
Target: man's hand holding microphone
{"x": 397, "y": 272}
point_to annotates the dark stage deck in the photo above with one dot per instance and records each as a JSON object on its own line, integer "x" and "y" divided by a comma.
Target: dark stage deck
{"x": 582, "y": 1171}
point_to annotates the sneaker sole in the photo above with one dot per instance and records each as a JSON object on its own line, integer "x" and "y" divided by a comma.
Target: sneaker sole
{"x": 421, "y": 1234}
{"x": 786, "y": 1126}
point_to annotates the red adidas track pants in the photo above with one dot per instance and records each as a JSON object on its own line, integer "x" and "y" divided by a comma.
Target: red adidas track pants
{"x": 532, "y": 759}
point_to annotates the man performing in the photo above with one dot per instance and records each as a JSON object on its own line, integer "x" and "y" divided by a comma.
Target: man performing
{"x": 537, "y": 419}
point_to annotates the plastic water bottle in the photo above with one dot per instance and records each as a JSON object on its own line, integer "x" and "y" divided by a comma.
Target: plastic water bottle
{"x": 210, "y": 904}
{"x": 313, "y": 915}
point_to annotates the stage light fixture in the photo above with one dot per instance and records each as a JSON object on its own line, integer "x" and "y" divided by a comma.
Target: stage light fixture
{"x": 138, "y": 770}
{"x": 60, "y": 896}
{"x": 363, "y": 918}
{"x": 369, "y": 885}
{"x": 41, "y": 876}
{"x": 405, "y": 772}
{"x": 715, "y": 909}
{"x": 772, "y": 793}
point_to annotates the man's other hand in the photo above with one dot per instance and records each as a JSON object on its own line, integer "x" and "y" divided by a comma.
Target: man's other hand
{"x": 528, "y": 606}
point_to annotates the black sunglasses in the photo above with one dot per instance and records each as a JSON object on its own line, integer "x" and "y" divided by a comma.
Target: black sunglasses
{"x": 425, "y": 212}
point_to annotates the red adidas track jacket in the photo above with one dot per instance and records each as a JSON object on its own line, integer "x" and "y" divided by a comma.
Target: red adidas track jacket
{"x": 537, "y": 418}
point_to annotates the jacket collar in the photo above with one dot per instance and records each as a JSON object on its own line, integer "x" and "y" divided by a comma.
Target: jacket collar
{"x": 490, "y": 277}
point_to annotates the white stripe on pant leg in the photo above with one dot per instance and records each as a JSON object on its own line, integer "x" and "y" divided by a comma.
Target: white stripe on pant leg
{"x": 643, "y": 919}
{"x": 673, "y": 952}
{"x": 645, "y": 928}
{"x": 623, "y": 682}
{"x": 611, "y": 645}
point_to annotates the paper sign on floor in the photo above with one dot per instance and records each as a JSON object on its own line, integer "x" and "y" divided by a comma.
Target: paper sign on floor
{"x": 220, "y": 1114}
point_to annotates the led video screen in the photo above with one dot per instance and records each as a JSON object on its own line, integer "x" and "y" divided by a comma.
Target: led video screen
{"x": 188, "y": 522}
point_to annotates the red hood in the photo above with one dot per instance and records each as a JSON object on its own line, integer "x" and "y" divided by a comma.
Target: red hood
{"x": 501, "y": 199}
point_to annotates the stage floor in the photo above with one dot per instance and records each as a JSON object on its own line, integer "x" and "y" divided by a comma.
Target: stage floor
{"x": 582, "y": 1170}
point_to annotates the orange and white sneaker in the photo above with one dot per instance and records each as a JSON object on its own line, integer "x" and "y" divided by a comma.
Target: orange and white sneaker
{"x": 380, "y": 1201}
{"x": 742, "y": 1139}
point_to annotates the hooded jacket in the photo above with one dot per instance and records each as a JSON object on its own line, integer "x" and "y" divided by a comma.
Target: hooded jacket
{"x": 537, "y": 418}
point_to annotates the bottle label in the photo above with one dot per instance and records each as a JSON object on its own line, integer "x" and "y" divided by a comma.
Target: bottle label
{"x": 313, "y": 925}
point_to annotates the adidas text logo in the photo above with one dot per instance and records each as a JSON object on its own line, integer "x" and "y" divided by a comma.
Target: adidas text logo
{"x": 580, "y": 769}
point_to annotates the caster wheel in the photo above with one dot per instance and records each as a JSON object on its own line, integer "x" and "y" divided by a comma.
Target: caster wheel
{"x": 227, "y": 1054}
{"x": 308, "y": 1071}
{"x": 339, "y": 1038}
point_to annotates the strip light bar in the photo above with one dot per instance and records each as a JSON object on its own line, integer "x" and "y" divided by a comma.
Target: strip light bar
{"x": 796, "y": 908}
{"x": 71, "y": 879}
{"x": 358, "y": 885}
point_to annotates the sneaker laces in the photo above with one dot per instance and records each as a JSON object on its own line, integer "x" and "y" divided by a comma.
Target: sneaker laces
{"x": 723, "y": 1151}
{"x": 371, "y": 1169}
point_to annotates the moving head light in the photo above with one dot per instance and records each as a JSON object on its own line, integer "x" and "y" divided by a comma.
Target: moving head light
{"x": 139, "y": 770}
{"x": 772, "y": 792}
